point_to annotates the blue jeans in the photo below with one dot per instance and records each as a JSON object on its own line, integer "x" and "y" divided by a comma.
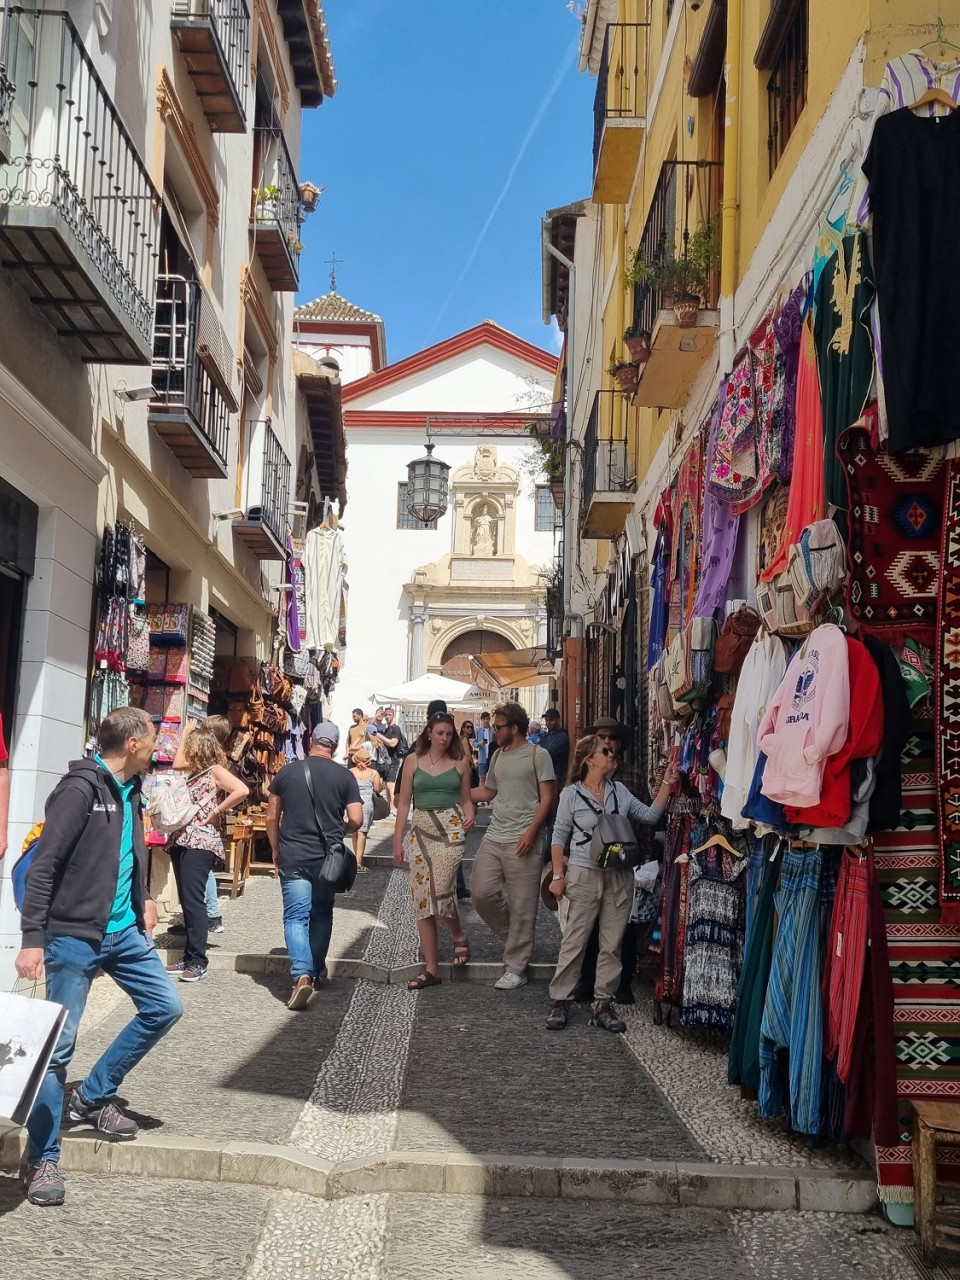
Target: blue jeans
{"x": 132, "y": 961}
{"x": 307, "y": 918}
{"x": 213, "y": 906}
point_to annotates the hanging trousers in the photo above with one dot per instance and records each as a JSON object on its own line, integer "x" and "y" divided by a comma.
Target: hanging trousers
{"x": 845, "y": 962}
{"x": 743, "y": 1064}
{"x": 793, "y": 1010}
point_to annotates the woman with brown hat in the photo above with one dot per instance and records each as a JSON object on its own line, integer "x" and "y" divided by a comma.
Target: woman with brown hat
{"x": 369, "y": 781}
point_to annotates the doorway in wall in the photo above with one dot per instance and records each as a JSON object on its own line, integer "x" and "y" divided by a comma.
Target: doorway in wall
{"x": 18, "y": 544}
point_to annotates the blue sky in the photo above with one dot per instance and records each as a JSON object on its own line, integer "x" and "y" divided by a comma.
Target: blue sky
{"x": 423, "y": 139}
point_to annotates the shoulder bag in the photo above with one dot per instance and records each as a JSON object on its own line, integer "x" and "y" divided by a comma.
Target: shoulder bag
{"x": 339, "y": 866}
{"x": 614, "y": 842}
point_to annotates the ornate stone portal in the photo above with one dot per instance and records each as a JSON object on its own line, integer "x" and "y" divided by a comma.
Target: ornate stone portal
{"x": 482, "y": 579}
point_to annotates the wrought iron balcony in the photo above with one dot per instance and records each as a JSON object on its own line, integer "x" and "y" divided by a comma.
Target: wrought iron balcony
{"x": 79, "y": 216}
{"x": 265, "y": 525}
{"x": 609, "y": 475}
{"x": 618, "y": 111}
{"x": 214, "y": 38}
{"x": 276, "y": 211}
{"x": 6, "y": 102}
{"x": 188, "y": 410}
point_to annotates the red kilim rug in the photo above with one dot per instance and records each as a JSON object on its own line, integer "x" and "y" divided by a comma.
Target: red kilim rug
{"x": 947, "y": 697}
{"x": 895, "y": 517}
{"x": 924, "y": 963}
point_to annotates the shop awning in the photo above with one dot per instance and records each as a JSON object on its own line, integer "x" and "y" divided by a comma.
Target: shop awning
{"x": 517, "y": 668}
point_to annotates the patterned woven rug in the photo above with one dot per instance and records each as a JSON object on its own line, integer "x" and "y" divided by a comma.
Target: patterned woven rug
{"x": 924, "y": 963}
{"x": 947, "y": 695}
{"x": 896, "y": 507}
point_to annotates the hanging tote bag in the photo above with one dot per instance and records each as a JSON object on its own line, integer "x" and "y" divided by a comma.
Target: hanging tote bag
{"x": 339, "y": 867}
{"x": 735, "y": 640}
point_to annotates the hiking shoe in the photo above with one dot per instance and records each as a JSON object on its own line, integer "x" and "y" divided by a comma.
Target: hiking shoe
{"x": 195, "y": 973}
{"x": 178, "y": 967}
{"x": 108, "y": 1119}
{"x": 510, "y": 981}
{"x": 45, "y": 1184}
{"x": 301, "y": 993}
{"x": 216, "y": 925}
{"x": 604, "y": 1016}
{"x": 558, "y": 1015}
{"x": 321, "y": 979}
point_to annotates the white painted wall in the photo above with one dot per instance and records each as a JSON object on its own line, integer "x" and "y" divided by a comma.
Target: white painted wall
{"x": 482, "y": 380}
{"x": 354, "y": 356}
{"x": 382, "y": 557}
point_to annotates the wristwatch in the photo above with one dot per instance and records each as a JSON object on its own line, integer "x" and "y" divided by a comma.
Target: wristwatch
{"x": 560, "y": 877}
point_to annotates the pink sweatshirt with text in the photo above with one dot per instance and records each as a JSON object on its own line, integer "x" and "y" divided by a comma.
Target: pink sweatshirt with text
{"x": 807, "y": 720}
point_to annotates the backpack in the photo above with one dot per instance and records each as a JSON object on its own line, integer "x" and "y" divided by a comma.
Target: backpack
{"x": 170, "y": 807}
{"x": 734, "y": 641}
{"x": 18, "y": 874}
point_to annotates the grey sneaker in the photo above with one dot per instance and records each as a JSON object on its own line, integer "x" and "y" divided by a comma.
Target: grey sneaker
{"x": 558, "y": 1015}
{"x": 177, "y": 968}
{"x": 195, "y": 973}
{"x": 45, "y": 1184}
{"x": 604, "y": 1016}
{"x": 108, "y": 1119}
{"x": 216, "y": 926}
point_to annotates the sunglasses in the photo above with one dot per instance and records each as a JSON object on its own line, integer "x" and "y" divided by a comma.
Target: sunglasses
{"x": 605, "y": 751}
{"x": 497, "y": 727}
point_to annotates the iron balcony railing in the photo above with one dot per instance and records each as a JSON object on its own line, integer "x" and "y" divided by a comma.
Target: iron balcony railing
{"x": 686, "y": 196}
{"x": 6, "y": 103}
{"x": 79, "y": 159}
{"x": 607, "y": 464}
{"x": 277, "y": 199}
{"x": 620, "y": 81}
{"x": 274, "y": 504}
{"x": 181, "y": 384}
{"x": 229, "y": 23}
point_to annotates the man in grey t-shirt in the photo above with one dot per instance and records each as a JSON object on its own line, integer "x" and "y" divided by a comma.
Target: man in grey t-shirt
{"x": 505, "y": 885}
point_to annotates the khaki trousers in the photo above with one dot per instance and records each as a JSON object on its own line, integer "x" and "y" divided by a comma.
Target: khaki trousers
{"x": 593, "y": 894}
{"x": 505, "y": 892}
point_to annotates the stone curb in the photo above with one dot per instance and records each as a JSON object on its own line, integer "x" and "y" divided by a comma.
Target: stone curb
{"x": 641, "y": 1182}
{"x": 345, "y": 967}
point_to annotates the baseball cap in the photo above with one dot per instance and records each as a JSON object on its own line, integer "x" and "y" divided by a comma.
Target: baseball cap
{"x": 326, "y": 732}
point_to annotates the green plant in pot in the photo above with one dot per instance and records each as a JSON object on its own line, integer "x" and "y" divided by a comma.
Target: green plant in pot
{"x": 548, "y": 458}
{"x": 682, "y": 278}
{"x": 267, "y": 200}
{"x": 637, "y": 342}
{"x": 626, "y": 375}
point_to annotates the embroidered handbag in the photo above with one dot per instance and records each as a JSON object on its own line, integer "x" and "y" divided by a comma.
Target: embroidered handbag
{"x": 793, "y": 618}
{"x": 818, "y": 562}
{"x": 735, "y": 640}
{"x": 679, "y": 678}
{"x": 662, "y": 689}
{"x": 702, "y": 632}
{"x": 767, "y": 604}
{"x": 170, "y": 807}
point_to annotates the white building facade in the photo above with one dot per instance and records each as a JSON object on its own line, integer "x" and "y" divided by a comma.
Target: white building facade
{"x": 428, "y": 598}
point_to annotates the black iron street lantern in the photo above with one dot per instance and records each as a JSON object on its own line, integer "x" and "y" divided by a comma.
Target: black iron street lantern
{"x": 427, "y": 487}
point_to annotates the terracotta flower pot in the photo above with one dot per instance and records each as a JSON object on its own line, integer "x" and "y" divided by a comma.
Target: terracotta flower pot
{"x": 628, "y": 378}
{"x": 639, "y": 349}
{"x": 686, "y": 311}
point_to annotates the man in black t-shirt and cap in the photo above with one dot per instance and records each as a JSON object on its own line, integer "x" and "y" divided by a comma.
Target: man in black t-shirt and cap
{"x": 302, "y": 830}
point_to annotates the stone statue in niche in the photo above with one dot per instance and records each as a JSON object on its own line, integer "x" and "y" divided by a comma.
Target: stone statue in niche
{"x": 483, "y": 534}
{"x": 485, "y": 462}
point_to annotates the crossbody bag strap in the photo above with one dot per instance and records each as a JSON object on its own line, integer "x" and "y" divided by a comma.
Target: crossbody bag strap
{"x": 308, "y": 777}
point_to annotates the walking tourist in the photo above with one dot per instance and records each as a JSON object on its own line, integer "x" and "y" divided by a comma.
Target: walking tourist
{"x": 303, "y": 829}
{"x": 436, "y": 777}
{"x": 197, "y": 849}
{"x": 482, "y": 744}
{"x": 4, "y": 792}
{"x": 595, "y": 894}
{"x": 369, "y": 783}
{"x": 393, "y": 745}
{"x": 556, "y": 741}
{"x": 356, "y": 734}
{"x": 466, "y": 745}
{"x": 87, "y": 907}
{"x": 506, "y": 871}
{"x": 221, "y": 729}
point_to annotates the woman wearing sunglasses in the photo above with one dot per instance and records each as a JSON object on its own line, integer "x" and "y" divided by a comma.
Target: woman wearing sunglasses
{"x": 435, "y": 777}
{"x": 594, "y": 893}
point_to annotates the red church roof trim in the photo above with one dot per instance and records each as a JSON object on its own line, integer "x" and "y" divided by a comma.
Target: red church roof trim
{"x": 485, "y": 334}
{"x": 397, "y": 420}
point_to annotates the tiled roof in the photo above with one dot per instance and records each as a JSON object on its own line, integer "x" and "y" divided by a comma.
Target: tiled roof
{"x": 332, "y": 307}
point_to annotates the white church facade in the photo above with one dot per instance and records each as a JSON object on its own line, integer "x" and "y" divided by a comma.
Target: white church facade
{"x": 429, "y": 598}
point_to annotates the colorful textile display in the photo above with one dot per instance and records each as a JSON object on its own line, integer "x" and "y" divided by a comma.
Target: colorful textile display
{"x": 895, "y": 523}
{"x": 687, "y": 496}
{"x": 720, "y": 528}
{"x": 923, "y": 963}
{"x": 947, "y": 701}
{"x": 713, "y": 953}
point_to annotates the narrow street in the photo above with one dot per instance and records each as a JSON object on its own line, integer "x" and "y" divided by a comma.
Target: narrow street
{"x": 466, "y": 1092}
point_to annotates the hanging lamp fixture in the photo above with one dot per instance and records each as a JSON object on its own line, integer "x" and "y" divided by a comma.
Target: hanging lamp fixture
{"x": 427, "y": 487}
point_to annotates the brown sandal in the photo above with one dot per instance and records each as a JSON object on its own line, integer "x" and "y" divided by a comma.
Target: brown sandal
{"x": 461, "y": 953}
{"x": 424, "y": 980}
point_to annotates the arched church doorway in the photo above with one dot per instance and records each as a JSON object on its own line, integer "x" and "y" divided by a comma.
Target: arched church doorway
{"x": 455, "y": 663}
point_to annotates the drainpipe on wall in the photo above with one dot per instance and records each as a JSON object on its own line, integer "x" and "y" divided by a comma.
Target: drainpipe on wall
{"x": 731, "y": 183}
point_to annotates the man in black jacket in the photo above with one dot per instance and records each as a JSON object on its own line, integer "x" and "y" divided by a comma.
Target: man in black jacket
{"x": 87, "y": 907}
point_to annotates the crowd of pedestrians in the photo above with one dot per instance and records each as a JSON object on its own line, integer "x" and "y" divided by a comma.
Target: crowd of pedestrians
{"x": 88, "y": 907}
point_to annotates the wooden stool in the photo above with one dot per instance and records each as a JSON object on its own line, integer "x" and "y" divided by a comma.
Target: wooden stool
{"x": 238, "y": 854}
{"x": 935, "y": 1124}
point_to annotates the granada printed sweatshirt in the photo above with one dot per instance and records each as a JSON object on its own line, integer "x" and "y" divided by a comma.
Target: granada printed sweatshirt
{"x": 807, "y": 720}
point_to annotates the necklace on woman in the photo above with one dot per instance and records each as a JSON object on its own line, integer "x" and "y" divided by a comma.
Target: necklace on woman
{"x": 431, "y": 759}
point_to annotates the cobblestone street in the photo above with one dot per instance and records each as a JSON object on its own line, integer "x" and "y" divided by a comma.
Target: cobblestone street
{"x": 464, "y": 1073}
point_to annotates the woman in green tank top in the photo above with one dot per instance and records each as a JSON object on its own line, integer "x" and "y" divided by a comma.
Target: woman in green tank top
{"x": 435, "y": 777}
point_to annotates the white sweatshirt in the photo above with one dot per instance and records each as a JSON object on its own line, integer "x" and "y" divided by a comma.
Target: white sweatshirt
{"x": 761, "y": 674}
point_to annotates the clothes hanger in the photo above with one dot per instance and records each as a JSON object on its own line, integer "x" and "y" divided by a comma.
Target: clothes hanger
{"x": 717, "y": 841}
{"x": 934, "y": 95}
{"x": 940, "y": 40}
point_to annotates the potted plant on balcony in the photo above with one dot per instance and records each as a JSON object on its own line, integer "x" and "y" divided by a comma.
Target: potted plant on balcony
{"x": 683, "y": 278}
{"x": 548, "y": 458}
{"x": 310, "y": 196}
{"x": 637, "y": 342}
{"x": 267, "y": 200}
{"x": 294, "y": 242}
{"x": 626, "y": 375}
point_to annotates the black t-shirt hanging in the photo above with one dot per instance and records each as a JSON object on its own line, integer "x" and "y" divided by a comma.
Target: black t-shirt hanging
{"x": 913, "y": 165}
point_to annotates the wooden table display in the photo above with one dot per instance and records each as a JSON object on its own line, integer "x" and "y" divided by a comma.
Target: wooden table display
{"x": 238, "y": 853}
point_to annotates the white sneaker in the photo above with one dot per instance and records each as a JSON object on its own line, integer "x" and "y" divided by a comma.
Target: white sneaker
{"x": 510, "y": 981}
